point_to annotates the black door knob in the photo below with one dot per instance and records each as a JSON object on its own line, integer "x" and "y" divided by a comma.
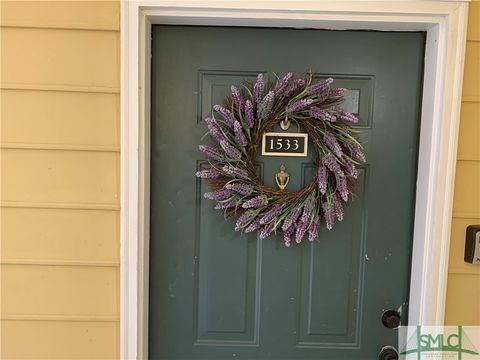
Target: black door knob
{"x": 388, "y": 353}
{"x": 391, "y": 319}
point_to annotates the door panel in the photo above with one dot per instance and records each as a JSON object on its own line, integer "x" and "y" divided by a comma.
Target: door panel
{"x": 219, "y": 294}
{"x": 334, "y": 319}
{"x": 227, "y": 281}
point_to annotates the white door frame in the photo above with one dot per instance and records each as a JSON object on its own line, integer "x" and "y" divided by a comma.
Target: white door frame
{"x": 445, "y": 23}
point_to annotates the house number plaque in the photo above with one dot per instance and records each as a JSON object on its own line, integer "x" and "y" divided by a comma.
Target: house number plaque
{"x": 284, "y": 144}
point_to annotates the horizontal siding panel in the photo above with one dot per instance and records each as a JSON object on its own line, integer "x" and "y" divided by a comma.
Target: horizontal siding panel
{"x": 463, "y": 294}
{"x": 59, "y": 340}
{"x": 457, "y": 248}
{"x": 103, "y": 15}
{"x": 59, "y": 118}
{"x": 473, "y": 32}
{"x": 468, "y": 141}
{"x": 44, "y": 57}
{"x": 466, "y": 201}
{"x": 60, "y": 235}
{"x": 59, "y": 290}
{"x": 471, "y": 80}
{"x": 60, "y": 176}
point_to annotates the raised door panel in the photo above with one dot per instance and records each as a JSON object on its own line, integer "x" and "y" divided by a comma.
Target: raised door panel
{"x": 331, "y": 292}
{"x": 227, "y": 279}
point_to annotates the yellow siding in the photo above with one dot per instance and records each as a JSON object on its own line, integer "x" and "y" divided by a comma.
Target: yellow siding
{"x": 471, "y": 80}
{"x": 463, "y": 300}
{"x": 53, "y": 119}
{"x": 60, "y": 180}
{"x": 51, "y": 176}
{"x": 463, "y": 290}
{"x": 59, "y": 290}
{"x": 474, "y": 21}
{"x": 54, "y": 59}
{"x": 99, "y": 15}
{"x": 469, "y": 146}
{"x": 79, "y": 235}
{"x": 62, "y": 340}
{"x": 467, "y": 192}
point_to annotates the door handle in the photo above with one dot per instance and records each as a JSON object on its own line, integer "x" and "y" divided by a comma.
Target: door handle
{"x": 388, "y": 353}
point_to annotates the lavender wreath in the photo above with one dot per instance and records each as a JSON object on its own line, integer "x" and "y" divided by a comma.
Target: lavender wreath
{"x": 236, "y": 133}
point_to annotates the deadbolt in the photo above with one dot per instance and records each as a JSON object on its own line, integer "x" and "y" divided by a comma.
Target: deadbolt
{"x": 391, "y": 319}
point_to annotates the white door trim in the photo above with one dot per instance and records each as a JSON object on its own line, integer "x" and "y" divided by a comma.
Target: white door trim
{"x": 445, "y": 23}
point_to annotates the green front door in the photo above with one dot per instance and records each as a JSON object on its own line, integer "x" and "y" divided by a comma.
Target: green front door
{"x": 218, "y": 294}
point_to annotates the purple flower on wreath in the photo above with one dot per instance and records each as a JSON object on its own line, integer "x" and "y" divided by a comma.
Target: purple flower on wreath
{"x": 317, "y": 113}
{"x": 337, "y": 206}
{"x": 342, "y": 186}
{"x": 245, "y": 219}
{"x": 211, "y": 152}
{"x": 240, "y": 138}
{"x": 266, "y": 230}
{"x": 232, "y": 152}
{"x": 333, "y": 144}
{"x": 226, "y": 205}
{"x": 271, "y": 214}
{"x": 344, "y": 115}
{"x": 214, "y": 129}
{"x": 349, "y": 117}
{"x": 237, "y": 97}
{"x": 256, "y": 202}
{"x": 298, "y": 106}
{"x": 322, "y": 177}
{"x": 355, "y": 151}
{"x": 306, "y": 208}
{"x": 235, "y": 172}
{"x": 209, "y": 174}
{"x": 226, "y": 114}
{"x": 254, "y": 225}
{"x": 321, "y": 87}
{"x": 239, "y": 187}
{"x": 265, "y": 105}
{"x": 218, "y": 195}
{"x": 331, "y": 163}
{"x": 351, "y": 169}
{"x": 282, "y": 84}
{"x": 294, "y": 86}
{"x": 313, "y": 231}
{"x": 291, "y": 218}
{"x": 258, "y": 88}
{"x": 309, "y": 205}
{"x": 300, "y": 231}
{"x": 287, "y": 235}
{"x": 329, "y": 214}
{"x": 337, "y": 93}
{"x": 249, "y": 118}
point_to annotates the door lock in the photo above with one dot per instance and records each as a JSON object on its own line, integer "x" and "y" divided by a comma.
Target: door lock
{"x": 391, "y": 319}
{"x": 388, "y": 353}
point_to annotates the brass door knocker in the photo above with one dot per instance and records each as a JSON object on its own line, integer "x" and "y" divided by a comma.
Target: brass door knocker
{"x": 282, "y": 178}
